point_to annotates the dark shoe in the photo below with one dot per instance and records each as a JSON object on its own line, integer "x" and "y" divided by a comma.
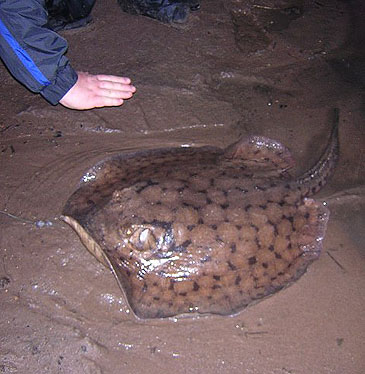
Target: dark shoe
{"x": 59, "y": 23}
{"x": 168, "y": 11}
{"x": 176, "y": 13}
{"x": 68, "y": 14}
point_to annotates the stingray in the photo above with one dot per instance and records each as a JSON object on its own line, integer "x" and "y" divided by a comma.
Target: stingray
{"x": 202, "y": 230}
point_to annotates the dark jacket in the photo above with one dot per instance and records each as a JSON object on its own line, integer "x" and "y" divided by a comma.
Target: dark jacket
{"x": 32, "y": 52}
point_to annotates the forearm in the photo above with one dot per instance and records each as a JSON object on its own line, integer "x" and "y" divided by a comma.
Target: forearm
{"x": 33, "y": 53}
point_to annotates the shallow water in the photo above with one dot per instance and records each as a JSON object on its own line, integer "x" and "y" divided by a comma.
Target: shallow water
{"x": 61, "y": 311}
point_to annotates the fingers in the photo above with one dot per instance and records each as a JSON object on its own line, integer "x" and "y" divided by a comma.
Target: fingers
{"x": 113, "y": 87}
{"x": 111, "y": 94}
{"x": 116, "y": 89}
{"x": 113, "y": 78}
{"x": 103, "y": 101}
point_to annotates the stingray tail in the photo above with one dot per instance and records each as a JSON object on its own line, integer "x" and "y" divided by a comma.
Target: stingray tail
{"x": 316, "y": 177}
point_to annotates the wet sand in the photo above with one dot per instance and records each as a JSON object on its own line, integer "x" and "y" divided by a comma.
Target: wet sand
{"x": 237, "y": 67}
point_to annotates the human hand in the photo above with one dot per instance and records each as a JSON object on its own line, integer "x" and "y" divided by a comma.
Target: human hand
{"x": 96, "y": 91}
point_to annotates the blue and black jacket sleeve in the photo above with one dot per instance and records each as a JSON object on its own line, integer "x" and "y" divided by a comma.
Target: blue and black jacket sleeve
{"x": 33, "y": 53}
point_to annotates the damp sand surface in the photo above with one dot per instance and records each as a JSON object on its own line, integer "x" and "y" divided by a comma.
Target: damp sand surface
{"x": 236, "y": 68}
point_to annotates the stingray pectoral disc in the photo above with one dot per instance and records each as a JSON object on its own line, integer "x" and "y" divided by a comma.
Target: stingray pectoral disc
{"x": 201, "y": 230}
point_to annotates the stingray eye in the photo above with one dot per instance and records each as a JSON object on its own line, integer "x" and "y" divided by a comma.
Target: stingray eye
{"x": 144, "y": 239}
{"x": 140, "y": 238}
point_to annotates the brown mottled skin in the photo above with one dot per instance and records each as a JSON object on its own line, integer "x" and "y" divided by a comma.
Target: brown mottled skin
{"x": 202, "y": 230}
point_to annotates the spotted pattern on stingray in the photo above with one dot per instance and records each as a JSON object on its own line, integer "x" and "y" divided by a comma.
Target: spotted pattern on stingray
{"x": 202, "y": 230}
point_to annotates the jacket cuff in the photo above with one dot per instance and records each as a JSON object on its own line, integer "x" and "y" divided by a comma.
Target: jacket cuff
{"x": 65, "y": 79}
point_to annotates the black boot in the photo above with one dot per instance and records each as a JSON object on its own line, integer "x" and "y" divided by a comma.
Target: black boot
{"x": 163, "y": 10}
{"x": 68, "y": 14}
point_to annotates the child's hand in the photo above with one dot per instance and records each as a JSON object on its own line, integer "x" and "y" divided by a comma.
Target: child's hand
{"x": 95, "y": 91}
